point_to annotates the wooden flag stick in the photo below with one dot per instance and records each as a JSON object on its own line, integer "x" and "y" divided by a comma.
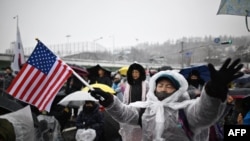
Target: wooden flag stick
{"x": 87, "y": 84}
{"x": 82, "y": 80}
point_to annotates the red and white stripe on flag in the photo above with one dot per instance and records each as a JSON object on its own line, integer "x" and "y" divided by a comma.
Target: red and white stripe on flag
{"x": 36, "y": 87}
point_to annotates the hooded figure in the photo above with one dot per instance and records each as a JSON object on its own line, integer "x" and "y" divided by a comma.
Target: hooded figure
{"x": 117, "y": 86}
{"x": 195, "y": 79}
{"x": 136, "y": 89}
{"x": 159, "y": 116}
{"x": 136, "y": 86}
{"x": 98, "y": 74}
{"x": 195, "y": 84}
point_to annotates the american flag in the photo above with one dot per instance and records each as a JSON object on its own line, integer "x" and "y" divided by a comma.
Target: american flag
{"x": 40, "y": 78}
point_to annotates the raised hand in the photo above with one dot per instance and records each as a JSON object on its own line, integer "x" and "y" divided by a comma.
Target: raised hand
{"x": 218, "y": 84}
{"x": 105, "y": 99}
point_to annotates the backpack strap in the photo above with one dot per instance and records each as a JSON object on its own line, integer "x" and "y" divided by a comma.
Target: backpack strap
{"x": 184, "y": 124}
{"x": 142, "y": 110}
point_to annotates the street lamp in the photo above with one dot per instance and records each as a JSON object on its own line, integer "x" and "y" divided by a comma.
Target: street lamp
{"x": 136, "y": 42}
{"x": 182, "y": 55}
{"x": 67, "y": 46}
{"x": 113, "y": 46}
{"x": 94, "y": 41}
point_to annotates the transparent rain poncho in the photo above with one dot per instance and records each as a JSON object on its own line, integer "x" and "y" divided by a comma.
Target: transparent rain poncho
{"x": 53, "y": 130}
{"x": 85, "y": 134}
{"x": 23, "y": 123}
{"x": 160, "y": 118}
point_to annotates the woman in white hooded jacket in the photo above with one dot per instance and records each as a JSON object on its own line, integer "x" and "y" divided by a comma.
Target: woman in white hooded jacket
{"x": 168, "y": 116}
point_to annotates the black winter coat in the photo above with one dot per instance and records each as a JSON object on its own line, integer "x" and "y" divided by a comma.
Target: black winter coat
{"x": 93, "y": 120}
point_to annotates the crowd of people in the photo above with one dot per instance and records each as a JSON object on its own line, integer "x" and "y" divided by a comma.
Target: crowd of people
{"x": 146, "y": 106}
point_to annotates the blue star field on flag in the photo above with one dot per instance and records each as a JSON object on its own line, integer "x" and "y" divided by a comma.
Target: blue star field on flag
{"x": 42, "y": 58}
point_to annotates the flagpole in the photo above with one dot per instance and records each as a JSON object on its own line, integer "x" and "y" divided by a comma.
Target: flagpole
{"x": 86, "y": 83}
{"x": 18, "y": 57}
{"x": 16, "y": 17}
{"x": 82, "y": 80}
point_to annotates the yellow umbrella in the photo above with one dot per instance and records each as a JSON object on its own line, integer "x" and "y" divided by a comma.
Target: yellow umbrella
{"x": 104, "y": 87}
{"x": 123, "y": 70}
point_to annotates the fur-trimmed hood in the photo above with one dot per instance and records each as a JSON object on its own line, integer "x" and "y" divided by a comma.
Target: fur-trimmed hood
{"x": 136, "y": 66}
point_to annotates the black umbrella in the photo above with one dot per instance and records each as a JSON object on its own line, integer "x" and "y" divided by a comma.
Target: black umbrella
{"x": 93, "y": 71}
{"x": 163, "y": 68}
{"x": 8, "y": 105}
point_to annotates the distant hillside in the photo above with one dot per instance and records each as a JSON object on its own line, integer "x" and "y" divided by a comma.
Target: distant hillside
{"x": 194, "y": 50}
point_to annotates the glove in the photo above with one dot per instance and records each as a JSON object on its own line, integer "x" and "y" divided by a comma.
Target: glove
{"x": 105, "y": 99}
{"x": 218, "y": 84}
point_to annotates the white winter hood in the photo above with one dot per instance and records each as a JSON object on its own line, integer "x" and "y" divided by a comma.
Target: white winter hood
{"x": 175, "y": 101}
{"x": 180, "y": 95}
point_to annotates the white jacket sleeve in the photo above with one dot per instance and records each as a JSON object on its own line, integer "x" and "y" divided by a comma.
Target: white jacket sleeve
{"x": 123, "y": 113}
{"x": 204, "y": 112}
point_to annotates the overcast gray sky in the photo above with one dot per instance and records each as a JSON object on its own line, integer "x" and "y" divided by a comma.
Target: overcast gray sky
{"x": 126, "y": 20}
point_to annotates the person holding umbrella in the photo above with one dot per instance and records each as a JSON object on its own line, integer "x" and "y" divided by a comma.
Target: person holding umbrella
{"x": 98, "y": 74}
{"x": 103, "y": 78}
{"x": 163, "y": 116}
